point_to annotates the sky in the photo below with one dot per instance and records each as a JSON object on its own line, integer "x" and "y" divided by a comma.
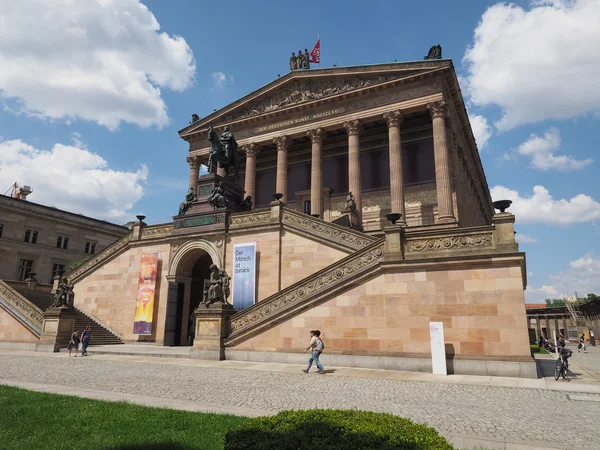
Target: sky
{"x": 92, "y": 94}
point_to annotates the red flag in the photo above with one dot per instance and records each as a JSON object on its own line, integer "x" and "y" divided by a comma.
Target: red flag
{"x": 315, "y": 55}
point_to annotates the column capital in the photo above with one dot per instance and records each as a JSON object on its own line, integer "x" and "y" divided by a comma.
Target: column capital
{"x": 352, "y": 127}
{"x": 437, "y": 109}
{"x": 283, "y": 142}
{"x": 316, "y": 135}
{"x": 393, "y": 118}
{"x": 251, "y": 149}
{"x": 193, "y": 160}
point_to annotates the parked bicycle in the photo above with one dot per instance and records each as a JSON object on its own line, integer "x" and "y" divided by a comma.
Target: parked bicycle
{"x": 562, "y": 364}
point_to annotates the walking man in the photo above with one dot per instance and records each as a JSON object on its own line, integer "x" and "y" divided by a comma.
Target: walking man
{"x": 316, "y": 348}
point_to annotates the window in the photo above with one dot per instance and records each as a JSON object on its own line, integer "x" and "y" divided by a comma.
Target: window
{"x": 1, "y": 229}
{"x": 31, "y": 236}
{"x": 57, "y": 269}
{"x": 90, "y": 247}
{"x": 25, "y": 266}
{"x": 62, "y": 242}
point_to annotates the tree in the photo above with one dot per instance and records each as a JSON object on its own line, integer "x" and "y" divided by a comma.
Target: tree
{"x": 555, "y": 302}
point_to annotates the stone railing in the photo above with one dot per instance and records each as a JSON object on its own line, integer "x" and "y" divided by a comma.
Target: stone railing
{"x": 21, "y": 309}
{"x": 107, "y": 253}
{"x": 255, "y": 218}
{"x": 457, "y": 241}
{"x": 324, "y": 284}
{"x": 157, "y": 231}
{"x": 332, "y": 233}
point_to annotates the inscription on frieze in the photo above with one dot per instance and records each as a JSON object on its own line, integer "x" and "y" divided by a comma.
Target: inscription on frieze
{"x": 199, "y": 221}
{"x": 205, "y": 189}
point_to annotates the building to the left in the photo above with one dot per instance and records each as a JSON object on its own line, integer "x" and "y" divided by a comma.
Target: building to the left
{"x": 46, "y": 241}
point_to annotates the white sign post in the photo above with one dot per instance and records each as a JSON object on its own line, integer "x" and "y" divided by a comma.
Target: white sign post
{"x": 244, "y": 275}
{"x": 438, "y": 348}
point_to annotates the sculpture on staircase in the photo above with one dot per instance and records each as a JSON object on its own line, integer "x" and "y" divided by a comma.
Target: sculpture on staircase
{"x": 219, "y": 289}
{"x": 63, "y": 298}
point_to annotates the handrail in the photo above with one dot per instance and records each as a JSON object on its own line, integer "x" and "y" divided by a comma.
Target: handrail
{"x": 99, "y": 258}
{"x": 331, "y": 280}
{"x": 21, "y": 309}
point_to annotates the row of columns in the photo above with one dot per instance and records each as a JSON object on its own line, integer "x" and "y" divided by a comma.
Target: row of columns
{"x": 353, "y": 127}
{"x": 538, "y": 326}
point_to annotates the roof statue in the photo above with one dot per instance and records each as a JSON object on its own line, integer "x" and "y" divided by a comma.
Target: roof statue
{"x": 435, "y": 52}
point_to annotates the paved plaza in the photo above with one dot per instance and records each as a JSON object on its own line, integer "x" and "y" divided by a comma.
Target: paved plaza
{"x": 491, "y": 411}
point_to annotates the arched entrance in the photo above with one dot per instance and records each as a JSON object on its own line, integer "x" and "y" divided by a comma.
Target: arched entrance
{"x": 188, "y": 271}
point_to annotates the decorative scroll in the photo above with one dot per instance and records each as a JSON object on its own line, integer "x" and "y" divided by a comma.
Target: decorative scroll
{"x": 323, "y": 282}
{"x": 354, "y": 240}
{"x": 144, "y": 305}
{"x": 449, "y": 243}
{"x": 199, "y": 221}
{"x": 100, "y": 257}
{"x": 251, "y": 219}
{"x": 23, "y": 306}
{"x": 156, "y": 231}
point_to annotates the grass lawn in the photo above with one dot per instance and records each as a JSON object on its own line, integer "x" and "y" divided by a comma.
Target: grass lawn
{"x": 34, "y": 420}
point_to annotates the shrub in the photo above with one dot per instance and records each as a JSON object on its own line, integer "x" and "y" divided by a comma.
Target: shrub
{"x": 535, "y": 348}
{"x": 543, "y": 351}
{"x": 333, "y": 430}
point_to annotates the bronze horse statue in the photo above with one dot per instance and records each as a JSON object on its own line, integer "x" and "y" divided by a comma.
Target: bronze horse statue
{"x": 223, "y": 152}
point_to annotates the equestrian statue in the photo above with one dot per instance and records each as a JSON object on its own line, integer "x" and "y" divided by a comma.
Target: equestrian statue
{"x": 223, "y": 152}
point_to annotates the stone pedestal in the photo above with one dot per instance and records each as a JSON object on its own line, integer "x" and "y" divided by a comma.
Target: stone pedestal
{"x": 58, "y": 325}
{"x": 505, "y": 232}
{"x": 393, "y": 249}
{"x": 211, "y": 329}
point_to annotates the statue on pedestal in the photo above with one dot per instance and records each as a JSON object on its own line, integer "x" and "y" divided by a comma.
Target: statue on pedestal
{"x": 219, "y": 290}
{"x": 435, "y": 52}
{"x": 306, "y": 59}
{"x": 64, "y": 295}
{"x": 293, "y": 62}
{"x": 246, "y": 204}
{"x": 190, "y": 197}
{"x": 223, "y": 152}
{"x": 219, "y": 197}
{"x": 350, "y": 202}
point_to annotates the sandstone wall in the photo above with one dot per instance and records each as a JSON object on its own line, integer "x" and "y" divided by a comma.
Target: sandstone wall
{"x": 12, "y": 331}
{"x": 109, "y": 293}
{"x": 482, "y": 310}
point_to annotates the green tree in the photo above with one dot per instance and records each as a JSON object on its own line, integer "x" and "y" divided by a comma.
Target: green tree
{"x": 555, "y": 302}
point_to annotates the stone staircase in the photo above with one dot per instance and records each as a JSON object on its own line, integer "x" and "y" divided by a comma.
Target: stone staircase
{"x": 101, "y": 335}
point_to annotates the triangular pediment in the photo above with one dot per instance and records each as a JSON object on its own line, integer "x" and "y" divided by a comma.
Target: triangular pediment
{"x": 313, "y": 85}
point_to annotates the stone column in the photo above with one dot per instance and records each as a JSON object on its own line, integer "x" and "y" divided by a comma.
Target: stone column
{"x": 250, "y": 176}
{"x": 56, "y": 330}
{"x": 538, "y": 326}
{"x": 283, "y": 142}
{"x": 194, "y": 163}
{"x": 442, "y": 166}
{"x": 556, "y": 327}
{"x": 393, "y": 119}
{"x": 316, "y": 174}
{"x": 565, "y": 327}
{"x": 353, "y": 129}
{"x": 548, "y": 331}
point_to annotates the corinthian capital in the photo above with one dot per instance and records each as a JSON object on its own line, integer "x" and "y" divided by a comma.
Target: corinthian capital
{"x": 437, "y": 109}
{"x": 352, "y": 127}
{"x": 282, "y": 142}
{"x": 393, "y": 118}
{"x": 251, "y": 149}
{"x": 316, "y": 135}
{"x": 193, "y": 160}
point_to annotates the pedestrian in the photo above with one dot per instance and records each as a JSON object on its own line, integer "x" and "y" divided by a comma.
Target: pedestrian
{"x": 85, "y": 340}
{"x": 316, "y": 348}
{"x": 74, "y": 342}
{"x": 582, "y": 344}
{"x": 561, "y": 341}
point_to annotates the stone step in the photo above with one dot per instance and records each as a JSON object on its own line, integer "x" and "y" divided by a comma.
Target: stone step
{"x": 100, "y": 335}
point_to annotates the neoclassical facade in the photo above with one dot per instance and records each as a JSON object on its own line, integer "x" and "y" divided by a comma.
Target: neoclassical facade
{"x": 420, "y": 242}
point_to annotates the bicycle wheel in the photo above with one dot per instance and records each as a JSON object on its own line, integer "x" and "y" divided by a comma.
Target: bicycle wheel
{"x": 557, "y": 371}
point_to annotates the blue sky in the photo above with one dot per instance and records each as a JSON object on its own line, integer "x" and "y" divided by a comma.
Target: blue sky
{"x": 93, "y": 95}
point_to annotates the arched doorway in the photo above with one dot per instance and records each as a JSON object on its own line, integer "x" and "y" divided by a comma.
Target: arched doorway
{"x": 188, "y": 272}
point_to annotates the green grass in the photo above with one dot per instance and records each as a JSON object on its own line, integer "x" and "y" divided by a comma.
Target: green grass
{"x": 33, "y": 420}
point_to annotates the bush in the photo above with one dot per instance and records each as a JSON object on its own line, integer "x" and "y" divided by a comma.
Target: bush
{"x": 333, "y": 429}
{"x": 535, "y": 348}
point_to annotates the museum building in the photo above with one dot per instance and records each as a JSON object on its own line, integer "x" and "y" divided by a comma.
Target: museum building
{"x": 369, "y": 217}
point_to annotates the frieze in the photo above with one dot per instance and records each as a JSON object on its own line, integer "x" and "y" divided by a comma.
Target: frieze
{"x": 337, "y": 274}
{"x": 23, "y": 306}
{"x": 345, "y": 237}
{"x": 210, "y": 219}
{"x": 100, "y": 257}
{"x": 157, "y": 231}
{"x": 449, "y": 243}
{"x": 251, "y": 219}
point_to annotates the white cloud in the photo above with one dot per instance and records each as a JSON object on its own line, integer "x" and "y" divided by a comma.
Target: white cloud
{"x": 73, "y": 178}
{"x": 541, "y": 151}
{"x": 536, "y": 64}
{"x": 542, "y": 208}
{"x": 529, "y": 274}
{"x": 525, "y": 239}
{"x": 582, "y": 276}
{"x": 481, "y": 130}
{"x": 221, "y": 80}
{"x": 103, "y": 61}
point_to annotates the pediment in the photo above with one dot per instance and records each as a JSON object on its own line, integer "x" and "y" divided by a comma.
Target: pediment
{"x": 300, "y": 87}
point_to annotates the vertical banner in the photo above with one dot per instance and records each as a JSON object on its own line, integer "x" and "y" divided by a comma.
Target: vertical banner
{"x": 144, "y": 305}
{"x": 244, "y": 275}
{"x": 438, "y": 348}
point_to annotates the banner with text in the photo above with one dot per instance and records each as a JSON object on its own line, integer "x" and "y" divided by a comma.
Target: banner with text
{"x": 144, "y": 305}
{"x": 244, "y": 275}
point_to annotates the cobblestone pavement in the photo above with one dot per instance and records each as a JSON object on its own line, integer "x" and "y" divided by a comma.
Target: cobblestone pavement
{"x": 589, "y": 361}
{"x": 453, "y": 409}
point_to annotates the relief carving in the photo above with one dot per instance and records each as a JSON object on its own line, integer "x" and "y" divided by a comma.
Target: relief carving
{"x": 156, "y": 231}
{"x": 449, "y": 243}
{"x": 100, "y": 257}
{"x": 23, "y": 306}
{"x": 251, "y": 219}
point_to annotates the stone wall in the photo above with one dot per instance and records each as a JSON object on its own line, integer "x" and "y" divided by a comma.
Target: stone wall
{"x": 482, "y": 310}
{"x": 13, "y": 331}
{"x": 109, "y": 292}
